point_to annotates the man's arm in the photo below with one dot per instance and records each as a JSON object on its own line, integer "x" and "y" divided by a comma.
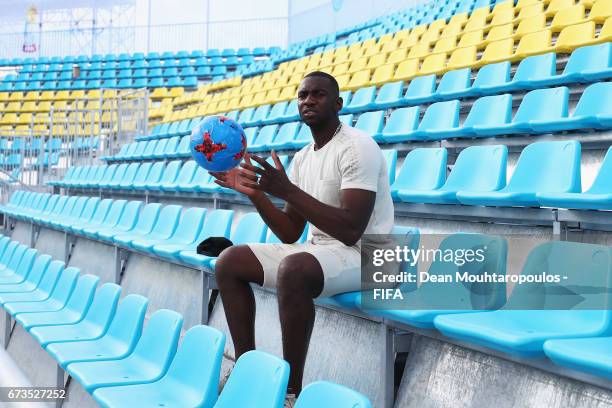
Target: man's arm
{"x": 345, "y": 223}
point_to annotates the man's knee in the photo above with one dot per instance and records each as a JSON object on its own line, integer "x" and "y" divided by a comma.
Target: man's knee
{"x": 298, "y": 273}
{"x": 236, "y": 262}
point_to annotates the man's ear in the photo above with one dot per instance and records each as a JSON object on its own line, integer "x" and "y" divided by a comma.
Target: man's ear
{"x": 339, "y": 104}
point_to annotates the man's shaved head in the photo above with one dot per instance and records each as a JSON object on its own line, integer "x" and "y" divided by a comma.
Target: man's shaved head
{"x": 335, "y": 89}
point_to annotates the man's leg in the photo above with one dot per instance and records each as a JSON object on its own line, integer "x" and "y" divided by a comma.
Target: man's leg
{"x": 300, "y": 280}
{"x": 235, "y": 269}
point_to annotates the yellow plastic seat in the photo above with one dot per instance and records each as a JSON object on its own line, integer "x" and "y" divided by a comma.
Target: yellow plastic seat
{"x": 526, "y": 3}
{"x": 462, "y": 58}
{"x": 8, "y": 118}
{"x": 433, "y": 64}
{"x": 566, "y": 17}
{"x": 77, "y": 94}
{"x": 355, "y": 54}
{"x": 503, "y": 7}
{"x": 382, "y": 74}
{"x": 288, "y": 93}
{"x": 437, "y": 24}
{"x": 377, "y": 60}
{"x": 390, "y": 45}
{"x": 358, "y": 65}
{"x": 62, "y": 95}
{"x": 245, "y": 102}
{"x": 601, "y": 10}
{"x": 17, "y": 96}
{"x": 359, "y": 79}
{"x": 4, "y": 96}
{"x": 22, "y": 130}
{"x": 385, "y": 38}
{"x": 500, "y": 32}
{"x": 28, "y": 106}
{"x": 477, "y": 20}
{"x": 401, "y": 35}
{"x": 222, "y": 105}
{"x": 31, "y": 96}
{"x": 605, "y": 34}
{"x": 575, "y": 36}
{"x": 233, "y": 103}
{"x": 445, "y": 45}
{"x": 397, "y": 56}
{"x": 13, "y": 107}
{"x": 272, "y": 96}
{"x": 354, "y": 47}
{"x": 340, "y": 69}
{"x": 341, "y": 59}
{"x": 530, "y": 25}
{"x": 451, "y": 30}
{"x": 97, "y": 94}
{"x": 111, "y": 93}
{"x": 93, "y": 104}
{"x": 531, "y": 10}
{"x": 343, "y": 81}
{"x": 40, "y": 128}
{"x": 327, "y": 59}
{"x": 372, "y": 50}
{"x": 534, "y": 43}
{"x": 370, "y": 42}
{"x": 45, "y": 106}
{"x": 25, "y": 118}
{"x": 497, "y": 51}
{"x": 419, "y": 30}
{"x": 471, "y": 38}
{"x": 176, "y": 91}
{"x": 458, "y": 19}
{"x": 503, "y": 17}
{"x": 432, "y": 34}
{"x": 419, "y": 50}
{"x": 557, "y": 5}
{"x": 210, "y": 109}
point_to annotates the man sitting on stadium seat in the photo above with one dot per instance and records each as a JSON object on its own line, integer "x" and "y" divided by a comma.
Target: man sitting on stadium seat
{"x": 339, "y": 184}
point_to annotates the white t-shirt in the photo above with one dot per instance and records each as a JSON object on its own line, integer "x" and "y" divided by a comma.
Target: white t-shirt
{"x": 351, "y": 159}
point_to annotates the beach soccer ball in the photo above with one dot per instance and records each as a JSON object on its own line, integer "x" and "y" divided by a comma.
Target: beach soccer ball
{"x": 218, "y": 143}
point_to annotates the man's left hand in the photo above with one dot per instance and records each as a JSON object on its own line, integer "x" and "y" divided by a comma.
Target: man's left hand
{"x": 271, "y": 179}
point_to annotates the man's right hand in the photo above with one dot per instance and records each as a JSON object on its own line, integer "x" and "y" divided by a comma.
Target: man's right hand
{"x": 235, "y": 179}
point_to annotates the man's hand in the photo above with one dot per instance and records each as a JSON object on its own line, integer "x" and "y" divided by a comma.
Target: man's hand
{"x": 272, "y": 180}
{"x": 237, "y": 179}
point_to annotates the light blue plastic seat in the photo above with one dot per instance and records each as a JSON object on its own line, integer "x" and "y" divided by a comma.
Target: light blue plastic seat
{"x": 537, "y": 111}
{"x": 113, "y": 214}
{"x": 56, "y": 301}
{"x": 285, "y": 137}
{"x": 259, "y": 115}
{"x": 589, "y": 63}
{"x": 139, "y": 177}
{"x": 169, "y": 146}
{"x": 43, "y": 289}
{"x": 65, "y": 212}
{"x": 591, "y": 354}
{"x": 95, "y": 177}
{"x": 33, "y": 279}
{"x": 266, "y": 135}
{"x": 216, "y": 224}
{"x": 181, "y": 150}
{"x": 191, "y": 380}
{"x": 423, "y": 169}
{"x": 534, "y": 72}
{"x": 440, "y": 121}
{"x": 597, "y": 197}
{"x": 149, "y": 149}
{"x": 168, "y": 177}
{"x": 250, "y": 229}
{"x": 536, "y": 312}
{"x": 477, "y": 168}
{"x": 73, "y": 312}
{"x": 172, "y": 230}
{"x": 257, "y": 380}
{"x": 543, "y": 167}
{"x": 125, "y": 223}
{"x": 362, "y": 100}
{"x": 276, "y": 113}
{"x": 94, "y": 324}
{"x": 291, "y": 113}
{"x": 491, "y": 78}
{"x": 185, "y": 175}
{"x": 146, "y": 220}
{"x": 59, "y": 205}
{"x": 85, "y": 215}
{"x": 160, "y": 147}
{"x": 19, "y": 266}
{"x": 328, "y": 394}
{"x": 454, "y": 84}
{"x": 200, "y": 178}
{"x": 97, "y": 217}
{"x": 153, "y": 178}
{"x": 401, "y": 125}
{"x": 371, "y": 123}
{"x": 420, "y": 306}
{"x": 147, "y": 363}
{"x": 125, "y": 179}
{"x": 107, "y": 177}
{"x": 389, "y": 95}
{"x": 138, "y": 151}
{"x": 420, "y": 89}
{"x": 303, "y": 138}
{"x": 117, "y": 342}
{"x": 487, "y": 112}
{"x": 245, "y": 116}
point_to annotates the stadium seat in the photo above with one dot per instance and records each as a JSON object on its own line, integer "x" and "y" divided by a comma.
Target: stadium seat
{"x": 102, "y": 213}
{"x": 258, "y": 379}
{"x": 362, "y": 100}
{"x": 543, "y": 167}
{"x": 597, "y": 197}
{"x": 192, "y": 377}
{"x": 155, "y": 180}
{"x": 477, "y": 168}
{"x": 43, "y": 289}
{"x": 440, "y": 121}
{"x": 491, "y": 77}
{"x": 147, "y": 363}
{"x": 161, "y": 229}
{"x": 327, "y": 394}
{"x": 389, "y": 95}
{"x": 371, "y": 123}
{"x": 423, "y": 169}
{"x": 401, "y": 125}
{"x": 420, "y": 89}
{"x": 419, "y": 307}
{"x": 182, "y": 233}
{"x": 536, "y": 312}
{"x": 454, "y": 84}
{"x": 285, "y": 137}
{"x": 113, "y": 225}
{"x": 265, "y": 136}
{"x": 590, "y": 354}
{"x": 487, "y": 112}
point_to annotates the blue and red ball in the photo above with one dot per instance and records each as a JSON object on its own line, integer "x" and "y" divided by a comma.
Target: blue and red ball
{"x": 218, "y": 143}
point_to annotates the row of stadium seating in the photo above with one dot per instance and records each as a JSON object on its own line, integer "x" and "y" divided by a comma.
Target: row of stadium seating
{"x": 115, "y": 74}
{"x": 547, "y": 174}
{"x": 94, "y": 94}
{"x": 167, "y": 56}
{"x": 101, "y": 342}
{"x": 155, "y": 229}
{"x": 188, "y": 82}
{"x": 586, "y": 64}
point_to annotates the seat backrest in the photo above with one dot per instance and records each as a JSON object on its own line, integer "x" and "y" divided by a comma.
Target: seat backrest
{"x": 40, "y": 265}
{"x": 187, "y": 172}
{"x": 266, "y": 135}
{"x": 217, "y": 223}
{"x": 328, "y": 394}
{"x": 277, "y": 110}
{"x": 492, "y": 75}
{"x": 142, "y": 173}
{"x": 547, "y": 167}
{"x": 590, "y": 58}
{"x": 603, "y": 182}
{"x": 160, "y": 337}
{"x": 118, "y": 177}
{"x": 363, "y": 96}
{"x": 157, "y": 170}
{"x": 149, "y": 148}
{"x": 287, "y": 132}
{"x": 189, "y": 225}
{"x": 70, "y": 203}
{"x": 479, "y": 168}
{"x": 129, "y": 215}
{"x": 390, "y": 157}
{"x": 258, "y": 378}
{"x": 536, "y": 67}
{"x": 130, "y": 173}
{"x": 82, "y": 295}
{"x": 166, "y": 222}
{"x": 250, "y": 228}
{"x": 171, "y": 171}
{"x": 423, "y": 169}
{"x": 455, "y": 80}
{"x": 371, "y": 122}
{"x": 197, "y": 363}
{"x": 25, "y": 263}
{"x": 402, "y": 120}
{"x": 114, "y": 213}
{"x": 109, "y": 173}
{"x": 160, "y": 148}
{"x": 79, "y": 205}
{"x": 8, "y": 253}
{"x": 595, "y": 100}
{"x": 147, "y": 218}
{"x": 543, "y": 104}
{"x": 50, "y": 276}
{"x": 391, "y": 91}
{"x": 421, "y": 86}
{"x": 441, "y": 115}
{"x": 127, "y": 323}
{"x": 104, "y": 305}
{"x": 65, "y": 285}
{"x": 490, "y": 111}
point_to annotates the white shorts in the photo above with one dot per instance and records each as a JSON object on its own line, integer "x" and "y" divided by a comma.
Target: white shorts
{"x": 341, "y": 264}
